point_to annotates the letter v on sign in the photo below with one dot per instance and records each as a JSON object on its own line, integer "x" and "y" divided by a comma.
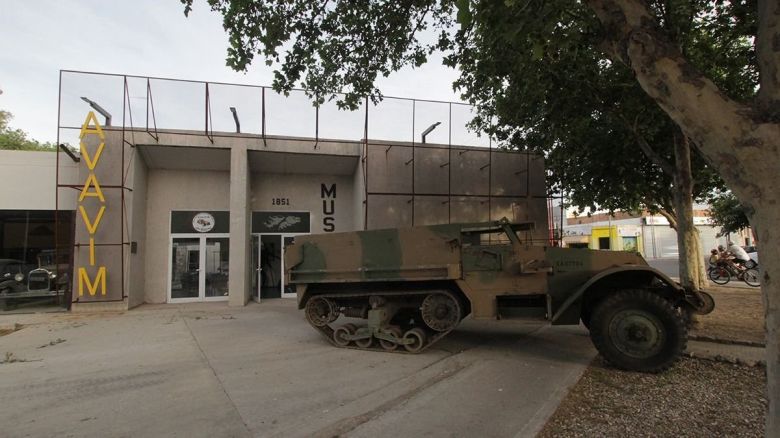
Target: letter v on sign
{"x": 84, "y": 153}
{"x": 92, "y": 227}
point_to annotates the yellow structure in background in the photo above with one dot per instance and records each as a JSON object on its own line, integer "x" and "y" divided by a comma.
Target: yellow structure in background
{"x": 617, "y": 238}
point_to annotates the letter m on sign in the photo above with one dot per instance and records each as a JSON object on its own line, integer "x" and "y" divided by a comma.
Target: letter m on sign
{"x": 326, "y": 192}
{"x": 92, "y": 286}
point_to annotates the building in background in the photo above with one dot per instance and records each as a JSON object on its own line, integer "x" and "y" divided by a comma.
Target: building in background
{"x": 160, "y": 211}
{"x": 29, "y": 228}
{"x": 651, "y": 235}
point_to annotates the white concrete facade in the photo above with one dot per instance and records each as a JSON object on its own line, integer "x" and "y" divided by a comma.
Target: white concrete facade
{"x": 328, "y": 183}
{"x": 29, "y": 177}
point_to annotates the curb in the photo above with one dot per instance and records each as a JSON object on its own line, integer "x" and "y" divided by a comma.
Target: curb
{"x": 727, "y": 341}
{"x": 724, "y": 359}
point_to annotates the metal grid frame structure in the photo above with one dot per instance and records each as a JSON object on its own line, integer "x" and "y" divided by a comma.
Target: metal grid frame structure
{"x": 150, "y": 126}
{"x": 122, "y": 243}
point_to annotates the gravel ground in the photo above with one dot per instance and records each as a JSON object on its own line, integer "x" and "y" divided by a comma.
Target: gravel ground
{"x": 738, "y": 315}
{"x": 696, "y": 398}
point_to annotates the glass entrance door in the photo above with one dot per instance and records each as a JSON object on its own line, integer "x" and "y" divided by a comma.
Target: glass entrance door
{"x": 287, "y": 289}
{"x": 268, "y": 262}
{"x": 271, "y": 266}
{"x": 185, "y": 268}
{"x": 216, "y": 258}
{"x": 199, "y": 268}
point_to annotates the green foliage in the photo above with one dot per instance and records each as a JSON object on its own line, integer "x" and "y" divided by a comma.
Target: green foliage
{"x": 330, "y": 47}
{"x": 5, "y": 116}
{"x": 340, "y": 46}
{"x": 533, "y": 68}
{"x": 16, "y": 139}
{"x": 539, "y": 81}
{"x": 727, "y": 213}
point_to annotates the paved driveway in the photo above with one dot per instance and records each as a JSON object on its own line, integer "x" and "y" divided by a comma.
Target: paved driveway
{"x": 210, "y": 370}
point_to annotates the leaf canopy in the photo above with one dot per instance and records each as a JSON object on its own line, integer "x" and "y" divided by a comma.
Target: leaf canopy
{"x": 534, "y": 69}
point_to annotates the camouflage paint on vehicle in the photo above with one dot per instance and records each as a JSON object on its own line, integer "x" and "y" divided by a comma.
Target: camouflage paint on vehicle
{"x": 393, "y": 278}
{"x": 453, "y": 252}
{"x": 420, "y": 253}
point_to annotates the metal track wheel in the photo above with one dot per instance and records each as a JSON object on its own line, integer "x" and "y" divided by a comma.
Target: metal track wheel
{"x": 365, "y": 342}
{"x": 390, "y": 345}
{"x": 321, "y": 311}
{"x": 440, "y": 311}
{"x": 414, "y": 340}
{"x": 341, "y": 333}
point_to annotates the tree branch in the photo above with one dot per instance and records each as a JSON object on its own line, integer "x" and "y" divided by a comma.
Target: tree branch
{"x": 730, "y": 135}
{"x": 671, "y": 217}
{"x": 651, "y": 154}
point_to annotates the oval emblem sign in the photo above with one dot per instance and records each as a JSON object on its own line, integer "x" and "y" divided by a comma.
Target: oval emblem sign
{"x": 203, "y": 222}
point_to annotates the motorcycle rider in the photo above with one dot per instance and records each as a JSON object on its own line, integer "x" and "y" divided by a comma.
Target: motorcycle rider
{"x": 740, "y": 255}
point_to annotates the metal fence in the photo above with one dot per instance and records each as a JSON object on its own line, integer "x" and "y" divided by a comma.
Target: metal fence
{"x": 156, "y": 104}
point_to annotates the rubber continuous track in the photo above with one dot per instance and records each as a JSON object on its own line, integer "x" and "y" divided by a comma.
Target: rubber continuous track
{"x": 432, "y": 336}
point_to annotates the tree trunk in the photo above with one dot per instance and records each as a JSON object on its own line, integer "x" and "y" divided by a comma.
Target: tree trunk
{"x": 741, "y": 141}
{"x": 691, "y": 260}
{"x": 702, "y": 257}
{"x": 767, "y": 221}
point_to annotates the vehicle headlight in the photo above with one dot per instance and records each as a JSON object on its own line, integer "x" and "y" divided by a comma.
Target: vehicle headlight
{"x": 52, "y": 275}
{"x": 19, "y": 277}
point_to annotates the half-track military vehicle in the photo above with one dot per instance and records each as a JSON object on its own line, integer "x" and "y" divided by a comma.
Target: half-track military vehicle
{"x": 412, "y": 286}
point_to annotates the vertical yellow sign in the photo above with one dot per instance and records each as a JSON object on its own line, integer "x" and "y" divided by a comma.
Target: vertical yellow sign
{"x": 91, "y": 188}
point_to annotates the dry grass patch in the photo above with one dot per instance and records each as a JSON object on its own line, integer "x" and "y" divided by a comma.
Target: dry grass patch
{"x": 738, "y": 315}
{"x": 696, "y": 398}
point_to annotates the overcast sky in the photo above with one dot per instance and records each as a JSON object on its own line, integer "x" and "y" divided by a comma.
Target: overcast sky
{"x": 140, "y": 37}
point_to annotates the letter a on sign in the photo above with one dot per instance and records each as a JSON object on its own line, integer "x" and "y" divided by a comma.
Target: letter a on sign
{"x": 87, "y": 130}
{"x": 91, "y": 181}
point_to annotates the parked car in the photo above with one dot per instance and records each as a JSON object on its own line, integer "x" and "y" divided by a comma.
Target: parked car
{"x": 22, "y": 282}
{"x": 14, "y": 275}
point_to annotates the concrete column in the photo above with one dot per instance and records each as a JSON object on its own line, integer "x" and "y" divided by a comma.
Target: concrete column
{"x": 239, "y": 227}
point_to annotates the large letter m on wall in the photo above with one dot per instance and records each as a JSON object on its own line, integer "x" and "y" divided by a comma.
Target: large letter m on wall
{"x": 100, "y": 280}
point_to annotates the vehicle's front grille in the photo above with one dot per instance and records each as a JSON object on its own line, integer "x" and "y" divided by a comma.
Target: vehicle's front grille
{"x": 38, "y": 280}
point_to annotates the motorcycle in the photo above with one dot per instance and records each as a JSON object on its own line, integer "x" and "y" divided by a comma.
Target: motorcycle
{"x": 721, "y": 274}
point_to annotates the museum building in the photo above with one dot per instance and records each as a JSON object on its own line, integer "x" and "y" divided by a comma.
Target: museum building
{"x": 147, "y": 214}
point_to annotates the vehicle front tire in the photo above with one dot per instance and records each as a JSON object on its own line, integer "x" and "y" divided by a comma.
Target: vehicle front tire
{"x": 638, "y": 330}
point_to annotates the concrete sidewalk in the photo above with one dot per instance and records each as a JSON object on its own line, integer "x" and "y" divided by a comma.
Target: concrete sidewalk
{"x": 211, "y": 370}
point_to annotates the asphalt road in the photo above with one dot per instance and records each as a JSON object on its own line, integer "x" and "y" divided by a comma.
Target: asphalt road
{"x": 669, "y": 267}
{"x": 210, "y": 370}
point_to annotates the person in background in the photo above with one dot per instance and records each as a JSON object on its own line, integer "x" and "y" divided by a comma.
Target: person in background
{"x": 725, "y": 258}
{"x": 714, "y": 257}
{"x": 740, "y": 255}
